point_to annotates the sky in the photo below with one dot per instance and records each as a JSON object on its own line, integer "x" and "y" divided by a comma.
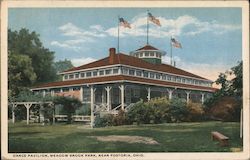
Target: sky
{"x": 211, "y": 38}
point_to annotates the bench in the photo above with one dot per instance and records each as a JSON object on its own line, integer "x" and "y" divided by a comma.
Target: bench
{"x": 220, "y": 137}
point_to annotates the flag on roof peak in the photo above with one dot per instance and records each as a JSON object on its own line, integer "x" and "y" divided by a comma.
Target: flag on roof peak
{"x": 153, "y": 19}
{"x": 175, "y": 43}
{"x": 124, "y": 23}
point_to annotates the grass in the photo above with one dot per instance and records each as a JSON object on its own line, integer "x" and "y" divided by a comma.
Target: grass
{"x": 174, "y": 137}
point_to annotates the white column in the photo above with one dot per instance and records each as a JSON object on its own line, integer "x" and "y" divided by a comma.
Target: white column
{"x": 202, "y": 98}
{"x": 122, "y": 95}
{"x": 108, "y": 88}
{"x": 61, "y": 90}
{"x": 13, "y": 113}
{"x": 70, "y": 89}
{"x": 28, "y": 105}
{"x": 52, "y": 93}
{"x": 170, "y": 93}
{"x": 188, "y": 93}
{"x": 81, "y": 94}
{"x": 149, "y": 93}
{"x": 44, "y": 93}
{"x": 92, "y": 102}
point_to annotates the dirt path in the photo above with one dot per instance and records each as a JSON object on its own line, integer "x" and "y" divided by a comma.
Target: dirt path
{"x": 128, "y": 139}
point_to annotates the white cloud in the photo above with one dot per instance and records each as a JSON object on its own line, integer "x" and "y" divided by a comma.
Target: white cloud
{"x": 65, "y": 45}
{"x": 82, "y": 60}
{"x": 183, "y": 25}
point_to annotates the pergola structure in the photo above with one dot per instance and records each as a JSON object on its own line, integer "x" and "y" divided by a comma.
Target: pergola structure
{"x": 28, "y": 105}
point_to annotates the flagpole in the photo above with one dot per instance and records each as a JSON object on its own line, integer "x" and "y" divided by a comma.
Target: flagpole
{"x": 118, "y": 42}
{"x": 147, "y": 26}
{"x": 171, "y": 59}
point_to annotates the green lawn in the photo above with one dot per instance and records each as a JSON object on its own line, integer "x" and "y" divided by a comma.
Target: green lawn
{"x": 174, "y": 137}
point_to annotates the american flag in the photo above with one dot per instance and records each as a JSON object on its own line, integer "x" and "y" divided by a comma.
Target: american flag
{"x": 175, "y": 43}
{"x": 124, "y": 23}
{"x": 153, "y": 19}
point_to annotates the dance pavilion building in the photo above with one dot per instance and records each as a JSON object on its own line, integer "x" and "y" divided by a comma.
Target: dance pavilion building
{"x": 120, "y": 80}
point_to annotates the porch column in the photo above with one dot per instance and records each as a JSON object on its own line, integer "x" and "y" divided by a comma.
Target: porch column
{"x": 13, "y": 112}
{"x": 44, "y": 93}
{"x": 188, "y": 93}
{"x": 28, "y": 105}
{"x": 202, "y": 98}
{"x": 52, "y": 93}
{"x": 81, "y": 94}
{"x": 108, "y": 88}
{"x": 149, "y": 93}
{"x": 170, "y": 93}
{"x": 61, "y": 90}
{"x": 92, "y": 103}
{"x": 122, "y": 95}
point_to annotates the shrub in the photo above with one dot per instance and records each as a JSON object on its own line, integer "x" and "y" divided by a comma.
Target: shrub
{"x": 196, "y": 112}
{"x": 106, "y": 120}
{"x": 178, "y": 110}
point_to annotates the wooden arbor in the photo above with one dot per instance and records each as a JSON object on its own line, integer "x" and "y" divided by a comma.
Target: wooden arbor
{"x": 28, "y": 105}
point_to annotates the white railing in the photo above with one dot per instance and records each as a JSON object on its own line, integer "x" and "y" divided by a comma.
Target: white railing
{"x": 76, "y": 118}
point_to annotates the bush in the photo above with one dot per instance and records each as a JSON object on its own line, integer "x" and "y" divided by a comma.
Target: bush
{"x": 178, "y": 110}
{"x": 104, "y": 121}
{"x": 196, "y": 112}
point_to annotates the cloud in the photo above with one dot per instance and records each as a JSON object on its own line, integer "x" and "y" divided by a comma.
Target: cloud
{"x": 66, "y": 45}
{"x": 82, "y": 61}
{"x": 183, "y": 25}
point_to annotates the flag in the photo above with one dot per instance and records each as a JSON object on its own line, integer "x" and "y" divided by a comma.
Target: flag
{"x": 153, "y": 19}
{"x": 124, "y": 23}
{"x": 175, "y": 43}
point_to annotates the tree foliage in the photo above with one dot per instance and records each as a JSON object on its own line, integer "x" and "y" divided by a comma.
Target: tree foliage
{"x": 29, "y": 61}
{"x": 223, "y": 100}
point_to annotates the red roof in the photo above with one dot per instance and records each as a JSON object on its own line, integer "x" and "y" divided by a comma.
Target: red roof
{"x": 121, "y": 78}
{"x": 147, "y": 47}
{"x": 135, "y": 62}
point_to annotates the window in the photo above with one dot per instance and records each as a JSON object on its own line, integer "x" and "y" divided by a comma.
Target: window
{"x": 169, "y": 78}
{"x": 101, "y": 73}
{"x": 108, "y": 71}
{"x": 88, "y": 74}
{"x": 94, "y": 73}
{"x": 141, "y": 54}
{"x": 76, "y": 88}
{"x": 115, "y": 70}
{"x": 178, "y": 79}
{"x": 71, "y": 76}
{"x": 125, "y": 70}
{"x": 164, "y": 77}
{"x": 173, "y": 78}
{"x": 183, "y": 80}
{"x": 66, "y": 76}
{"x": 138, "y": 73}
{"x": 152, "y": 75}
{"x": 145, "y": 74}
{"x": 158, "y": 76}
{"x": 82, "y": 74}
{"x": 146, "y": 54}
{"x": 157, "y": 55}
{"x": 77, "y": 75}
{"x": 151, "y": 54}
{"x": 131, "y": 72}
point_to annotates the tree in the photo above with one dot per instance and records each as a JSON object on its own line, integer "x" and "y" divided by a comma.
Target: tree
{"x": 227, "y": 100}
{"x": 20, "y": 73}
{"x": 69, "y": 105}
{"x": 30, "y": 61}
{"x": 62, "y": 66}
